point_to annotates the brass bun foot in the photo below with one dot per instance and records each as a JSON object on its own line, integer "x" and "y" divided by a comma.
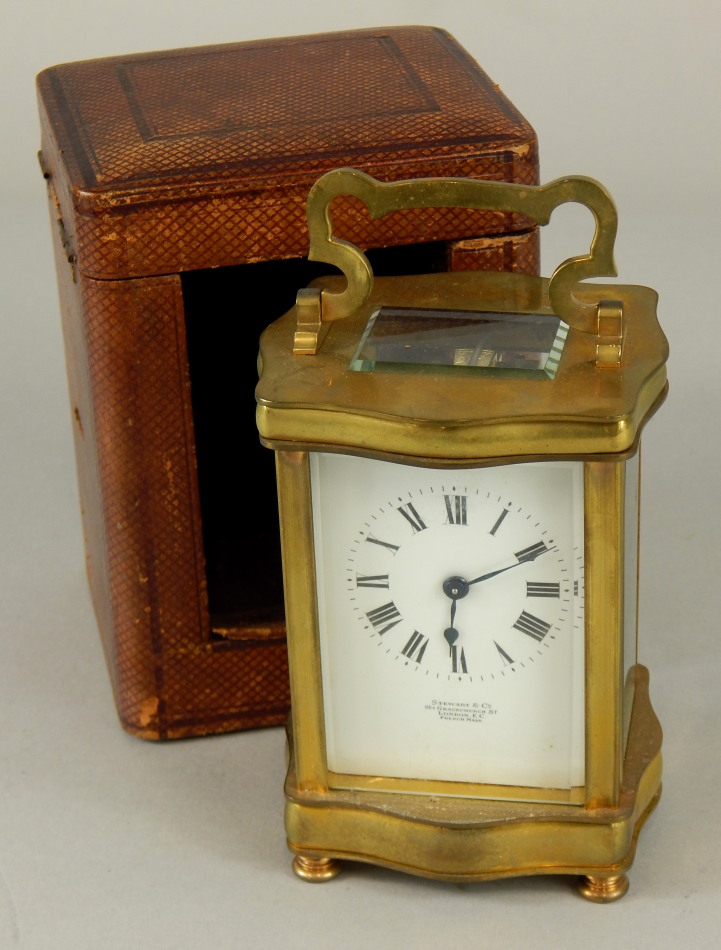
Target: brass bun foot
{"x": 602, "y": 889}
{"x": 315, "y": 870}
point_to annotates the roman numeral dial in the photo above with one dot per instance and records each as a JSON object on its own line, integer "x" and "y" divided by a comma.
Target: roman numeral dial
{"x": 499, "y": 521}
{"x": 458, "y": 660}
{"x": 384, "y": 617}
{"x": 371, "y": 580}
{"x": 416, "y": 647}
{"x": 531, "y": 552}
{"x": 532, "y": 626}
{"x": 507, "y": 660}
{"x": 457, "y": 583}
{"x": 543, "y": 589}
{"x": 382, "y": 544}
{"x": 456, "y": 509}
{"x": 412, "y": 517}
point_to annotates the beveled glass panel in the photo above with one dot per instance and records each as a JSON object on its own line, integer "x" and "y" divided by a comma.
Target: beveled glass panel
{"x": 406, "y": 340}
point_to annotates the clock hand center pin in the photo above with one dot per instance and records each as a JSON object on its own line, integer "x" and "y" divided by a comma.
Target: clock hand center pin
{"x": 456, "y": 588}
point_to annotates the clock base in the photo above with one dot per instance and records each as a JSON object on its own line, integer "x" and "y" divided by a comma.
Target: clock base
{"x": 464, "y": 839}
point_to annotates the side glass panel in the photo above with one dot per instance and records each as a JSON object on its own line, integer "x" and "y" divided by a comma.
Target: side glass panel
{"x": 630, "y": 610}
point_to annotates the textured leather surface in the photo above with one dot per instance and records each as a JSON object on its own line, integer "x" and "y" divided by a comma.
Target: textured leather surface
{"x": 164, "y": 154}
{"x": 165, "y": 163}
{"x": 133, "y": 429}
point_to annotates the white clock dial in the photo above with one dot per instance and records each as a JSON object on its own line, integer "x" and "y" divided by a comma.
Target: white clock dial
{"x": 450, "y": 614}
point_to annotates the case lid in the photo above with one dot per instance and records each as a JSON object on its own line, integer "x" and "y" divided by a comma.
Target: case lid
{"x": 182, "y": 159}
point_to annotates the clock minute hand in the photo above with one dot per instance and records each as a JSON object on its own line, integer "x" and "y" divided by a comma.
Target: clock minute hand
{"x": 485, "y": 577}
{"x": 523, "y": 557}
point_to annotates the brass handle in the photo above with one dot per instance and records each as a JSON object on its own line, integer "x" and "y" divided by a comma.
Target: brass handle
{"x": 536, "y": 202}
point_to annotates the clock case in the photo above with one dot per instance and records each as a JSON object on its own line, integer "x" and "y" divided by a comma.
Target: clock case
{"x": 611, "y": 378}
{"x": 177, "y": 184}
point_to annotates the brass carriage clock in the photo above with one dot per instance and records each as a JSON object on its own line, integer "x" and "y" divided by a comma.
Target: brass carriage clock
{"x": 458, "y": 481}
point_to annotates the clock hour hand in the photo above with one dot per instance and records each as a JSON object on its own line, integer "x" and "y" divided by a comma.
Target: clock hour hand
{"x": 450, "y": 633}
{"x": 455, "y": 588}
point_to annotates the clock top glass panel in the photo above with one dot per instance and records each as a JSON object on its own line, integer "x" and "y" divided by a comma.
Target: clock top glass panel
{"x": 451, "y": 624}
{"x": 407, "y": 340}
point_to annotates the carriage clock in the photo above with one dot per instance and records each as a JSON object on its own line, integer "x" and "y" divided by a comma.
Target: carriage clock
{"x": 458, "y": 482}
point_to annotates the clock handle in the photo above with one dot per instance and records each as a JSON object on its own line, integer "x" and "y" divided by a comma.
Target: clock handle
{"x": 536, "y": 202}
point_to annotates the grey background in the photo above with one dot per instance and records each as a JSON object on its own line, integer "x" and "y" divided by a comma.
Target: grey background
{"x": 110, "y": 842}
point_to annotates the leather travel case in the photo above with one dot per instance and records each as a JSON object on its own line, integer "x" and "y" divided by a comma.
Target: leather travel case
{"x": 177, "y": 184}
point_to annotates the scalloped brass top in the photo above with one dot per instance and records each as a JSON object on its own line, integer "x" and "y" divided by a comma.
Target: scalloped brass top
{"x": 445, "y": 419}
